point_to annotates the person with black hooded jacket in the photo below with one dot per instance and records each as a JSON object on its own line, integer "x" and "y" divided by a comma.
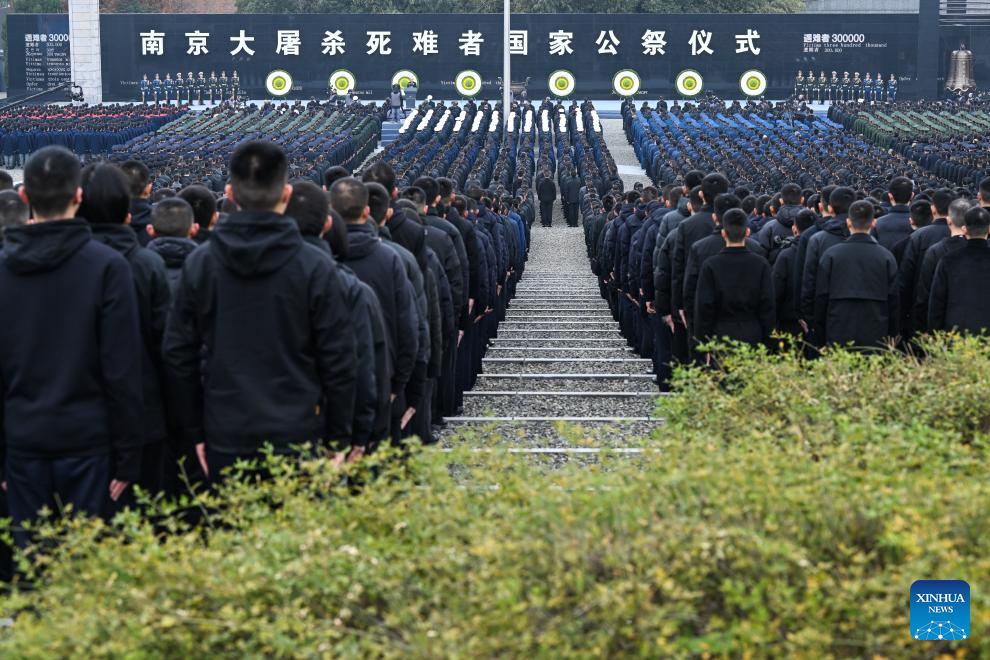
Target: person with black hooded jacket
{"x": 310, "y": 209}
{"x": 690, "y": 231}
{"x": 833, "y": 232}
{"x": 70, "y": 415}
{"x": 780, "y": 228}
{"x": 139, "y": 185}
{"x": 106, "y": 206}
{"x": 299, "y": 384}
{"x": 172, "y": 229}
{"x": 895, "y": 225}
{"x": 380, "y": 268}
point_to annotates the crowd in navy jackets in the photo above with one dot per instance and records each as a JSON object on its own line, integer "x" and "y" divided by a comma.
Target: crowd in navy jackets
{"x": 86, "y": 130}
{"x": 337, "y": 316}
{"x": 828, "y": 261}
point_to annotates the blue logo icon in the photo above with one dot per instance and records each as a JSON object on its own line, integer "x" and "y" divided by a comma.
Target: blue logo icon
{"x": 940, "y": 609}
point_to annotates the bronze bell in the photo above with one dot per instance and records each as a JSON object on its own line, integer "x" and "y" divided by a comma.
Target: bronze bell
{"x": 960, "y": 78}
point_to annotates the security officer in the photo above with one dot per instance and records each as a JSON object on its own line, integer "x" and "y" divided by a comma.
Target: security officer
{"x": 214, "y": 86}
{"x": 145, "y": 88}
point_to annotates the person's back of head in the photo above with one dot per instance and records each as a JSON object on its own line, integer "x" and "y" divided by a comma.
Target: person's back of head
{"x": 957, "y": 211}
{"x": 901, "y": 190}
{"x": 977, "y": 222}
{"x": 172, "y": 218}
{"x": 52, "y": 178}
{"x": 445, "y": 187}
{"x": 106, "y": 195}
{"x": 416, "y": 195}
{"x": 804, "y": 220}
{"x": 693, "y": 178}
{"x": 6, "y": 181}
{"x": 337, "y": 237}
{"x": 714, "y": 185}
{"x": 941, "y": 199}
{"x": 632, "y": 197}
{"x": 381, "y": 172}
{"x": 138, "y": 178}
{"x": 861, "y": 216}
{"x": 13, "y": 210}
{"x": 203, "y": 203}
{"x": 921, "y": 213}
{"x": 259, "y": 177}
{"x": 430, "y": 189}
{"x": 840, "y": 199}
{"x": 695, "y": 199}
{"x": 790, "y": 194}
{"x": 334, "y": 174}
{"x": 349, "y": 198}
{"x": 723, "y": 203}
{"x": 826, "y": 196}
{"x": 984, "y": 192}
{"x": 378, "y": 202}
{"x": 735, "y": 223}
{"x": 309, "y": 207}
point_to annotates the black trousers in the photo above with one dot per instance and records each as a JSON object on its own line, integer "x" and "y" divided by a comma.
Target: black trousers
{"x": 546, "y": 213}
{"x": 35, "y": 483}
{"x": 571, "y": 213}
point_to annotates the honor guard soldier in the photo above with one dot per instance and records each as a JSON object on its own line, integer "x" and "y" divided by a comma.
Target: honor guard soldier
{"x": 846, "y": 86}
{"x": 223, "y": 86}
{"x": 833, "y": 88}
{"x": 168, "y": 88}
{"x": 868, "y": 88}
{"x": 156, "y": 87}
{"x": 812, "y": 83}
{"x": 822, "y": 87}
{"x": 799, "y": 84}
{"x": 180, "y": 87}
{"x": 214, "y": 85}
{"x": 200, "y": 86}
{"x": 145, "y": 88}
{"x": 235, "y": 86}
{"x": 892, "y": 88}
{"x": 857, "y": 87}
{"x": 878, "y": 88}
{"x": 190, "y": 86}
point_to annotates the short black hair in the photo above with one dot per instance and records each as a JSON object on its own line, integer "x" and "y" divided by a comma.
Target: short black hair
{"x": 791, "y": 194}
{"x": 308, "y": 206}
{"x": 106, "y": 195}
{"x": 445, "y": 187}
{"x": 334, "y": 174}
{"x": 138, "y": 176}
{"x": 258, "y": 174}
{"x": 841, "y": 198}
{"x": 714, "y": 185}
{"x": 338, "y": 235}
{"x": 6, "y": 181}
{"x": 985, "y": 189}
{"x": 159, "y": 195}
{"x": 378, "y": 201}
{"x": 901, "y": 189}
{"x": 977, "y": 222}
{"x": 921, "y": 213}
{"x": 723, "y": 203}
{"x": 861, "y": 214}
{"x": 172, "y": 217}
{"x": 695, "y": 198}
{"x": 417, "y": 196}
{"x": 51, "y": 178}
{"x": 203, "y": 203}
{"x": 941, "y": 198}
{"x": 693, "y": 178}
{"x": 430, "y": 188}
{"x": 805, "y": 219}
{"x": 349, "y": 197}
{"x": 381, "y": 172}
{"x": 13, "y": 210}
{"x": 748, "y": 204}
{"x": 734, "y": 223}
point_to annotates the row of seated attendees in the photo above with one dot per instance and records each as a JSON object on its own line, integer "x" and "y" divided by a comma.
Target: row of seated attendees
{"x": 340, "y": 315}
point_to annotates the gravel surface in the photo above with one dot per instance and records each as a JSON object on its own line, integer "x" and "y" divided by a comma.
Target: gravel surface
{"x": 553, "y": 343}
{"x": 489, "y": 384}
{"x": 569, "y": 352}
{"x": 550, "y": 434}
{"x": 560, "y": 367}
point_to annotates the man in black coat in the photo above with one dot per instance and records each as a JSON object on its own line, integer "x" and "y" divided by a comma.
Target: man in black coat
{"x": 958, "y": 297}
{"x": 833, "y": 232}
{"x": 139, "y": 185}
{"x": 926, "y": 273}
{"x": 70, "y": 414}
{"x": 381, "y": 268}
{"x": 856, "y": 287}
{"x": 785, "y": 275}
{"x": 930, "y": 223}
{"x": 735, "y": 293}
{"x": 895, "y": 225}
{"x": 780, "y": 228}
{"x": 571, "y": 197}
{"x": 546, "y": 192}
{"x": 298, "y": 386}
{"x": 172, "y": 230}
{"x": 106, "y": 206}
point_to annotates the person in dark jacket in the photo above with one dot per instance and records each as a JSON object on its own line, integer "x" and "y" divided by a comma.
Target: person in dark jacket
{"x": 958, "y": 296}
{"x": 13, "y": 211}
{"x": 833, "y": 232}
{"x": 571, "y": 197}
{"x": 172, "y": 230}
{"x": 205, "y": 212}
{"x": 785, "y": 274}
{"x": 298, "y": 387}
{"x": 692, "y": 230}
{"x": 856, "y": 287}
{"x": 895, "y": 225}
{"x": 926, "y": 234}
{"x": 310, "y": 209}
{"x": 139, "y": 185}
{"x": 382, "y": 270}
{"x": 546, "y": 192}
{"x": 70, "y": 416}
{"x": 735, "y": 297}
{"x": 780, "y": 227}
{"x": 106, "y": 206}
{"x": 956, "y": 240}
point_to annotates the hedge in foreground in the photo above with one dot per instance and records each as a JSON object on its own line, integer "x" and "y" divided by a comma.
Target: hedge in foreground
{"x": 785, "y": 510}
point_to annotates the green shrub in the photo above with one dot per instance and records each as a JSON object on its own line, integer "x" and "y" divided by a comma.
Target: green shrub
{"x": 784, "y": 510}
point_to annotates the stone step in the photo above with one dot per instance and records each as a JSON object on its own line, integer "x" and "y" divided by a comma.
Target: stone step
{"x": 570, "y": 404}
{"x": 558, "y": 335}
{"x": 565, "y": 365}
{"x": 549, "y": 433}
{"x": 584, "y": 353}
{"x": 495, "y": 383}
{"x": 592, "y": 342}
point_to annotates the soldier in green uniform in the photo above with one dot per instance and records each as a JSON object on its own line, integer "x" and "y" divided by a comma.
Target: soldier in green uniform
{"x": 799, "y": 84}
{"x": 235, "y": 86}
{"x": 833, "y": 88}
